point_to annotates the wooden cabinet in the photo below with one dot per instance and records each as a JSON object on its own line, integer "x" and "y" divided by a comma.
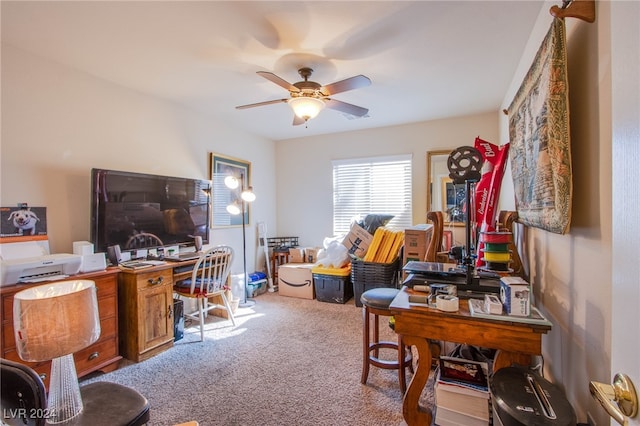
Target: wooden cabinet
{"x": 146, "y": 312}
{"x": 103, "y": 355}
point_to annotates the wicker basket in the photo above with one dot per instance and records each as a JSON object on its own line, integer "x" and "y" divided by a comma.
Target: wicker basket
{"x": 368, "y": 275}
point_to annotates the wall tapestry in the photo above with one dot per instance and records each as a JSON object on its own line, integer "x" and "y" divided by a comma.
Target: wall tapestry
{"x": 540, "y": 145}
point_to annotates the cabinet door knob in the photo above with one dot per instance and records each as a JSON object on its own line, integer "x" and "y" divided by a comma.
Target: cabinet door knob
{"x": 156, "y": 281}
{"x": 94, "y": 355}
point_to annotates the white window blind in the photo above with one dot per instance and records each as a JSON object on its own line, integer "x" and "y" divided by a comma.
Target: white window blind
{"x": 380, "y": 185}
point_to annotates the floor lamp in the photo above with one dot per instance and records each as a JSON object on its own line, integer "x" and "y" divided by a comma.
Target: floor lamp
{"x": 246, "y": 196}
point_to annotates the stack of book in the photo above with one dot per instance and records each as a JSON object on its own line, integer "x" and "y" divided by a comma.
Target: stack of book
{"x": 462, "y": 393}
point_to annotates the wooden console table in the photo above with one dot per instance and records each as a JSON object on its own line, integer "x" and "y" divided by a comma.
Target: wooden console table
{"x": 515, "y": 342}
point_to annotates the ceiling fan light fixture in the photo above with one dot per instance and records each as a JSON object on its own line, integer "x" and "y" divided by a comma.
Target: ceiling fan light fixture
{"x": 306, "y": 107}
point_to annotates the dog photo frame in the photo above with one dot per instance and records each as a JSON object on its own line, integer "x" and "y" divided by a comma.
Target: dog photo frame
{"x": 22, "y": 223}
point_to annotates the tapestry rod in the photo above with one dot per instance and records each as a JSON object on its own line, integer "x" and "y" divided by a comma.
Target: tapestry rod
{"x": 581, "y": 9}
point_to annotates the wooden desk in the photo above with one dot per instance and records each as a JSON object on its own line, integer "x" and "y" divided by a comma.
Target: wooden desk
{"x": 145, "y": 298}
{"x": 515, "y": 342}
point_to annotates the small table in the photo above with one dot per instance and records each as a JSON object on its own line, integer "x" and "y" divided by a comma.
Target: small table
{"x": 515, "y": 342}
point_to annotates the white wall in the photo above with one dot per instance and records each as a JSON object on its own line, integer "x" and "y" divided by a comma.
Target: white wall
{"x": 305, "y": 174}
{"x": 571, "y": 273}
{"x": 58, "y": 123}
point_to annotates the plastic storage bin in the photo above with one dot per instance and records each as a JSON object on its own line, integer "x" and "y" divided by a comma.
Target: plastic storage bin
{"x": 368, "y": 275}
{"x": 332, "y": 285}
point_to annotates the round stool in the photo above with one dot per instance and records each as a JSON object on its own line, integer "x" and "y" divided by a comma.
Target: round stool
{"x": 376, "y": 302}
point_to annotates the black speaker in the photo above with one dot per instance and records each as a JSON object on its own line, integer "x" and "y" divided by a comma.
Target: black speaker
{"x": 113, "y": 253}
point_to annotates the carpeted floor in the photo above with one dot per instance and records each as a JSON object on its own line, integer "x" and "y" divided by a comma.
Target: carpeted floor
{"x": 287, "y": 361}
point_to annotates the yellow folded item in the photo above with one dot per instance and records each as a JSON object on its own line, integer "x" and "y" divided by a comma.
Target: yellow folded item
{"x": 340, "y": 272}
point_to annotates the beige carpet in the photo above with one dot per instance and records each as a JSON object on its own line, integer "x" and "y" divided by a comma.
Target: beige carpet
{"x": 286, "y": 362}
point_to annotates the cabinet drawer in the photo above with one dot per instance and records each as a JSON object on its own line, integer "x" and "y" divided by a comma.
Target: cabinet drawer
{"x": 42, "y": 368}
{"x": 154, "y": 279}
{"x": 8, "y": 339}
{"x": 99, "y": 353}
{"x": 108, "y": 328}
{"x": 7, "y": 308}
{"x": 107, "y": 286}
{"x": 107, "y": 306}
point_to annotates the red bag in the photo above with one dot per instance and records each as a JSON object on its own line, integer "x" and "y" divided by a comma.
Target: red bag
{"x": 488, "y": 188}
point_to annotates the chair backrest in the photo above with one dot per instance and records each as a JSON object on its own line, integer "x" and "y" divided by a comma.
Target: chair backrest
{"x": 143, "y": 240}
{"x": 435, "y": 245}
{"x": 23, "y": 394}
{"x": 506, "y": 220}
{"x": 211, "y": 271}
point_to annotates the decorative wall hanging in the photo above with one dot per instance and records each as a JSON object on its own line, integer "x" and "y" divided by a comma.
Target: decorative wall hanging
{"x": 540, "y": 143}
{"x": 222, "y": 196}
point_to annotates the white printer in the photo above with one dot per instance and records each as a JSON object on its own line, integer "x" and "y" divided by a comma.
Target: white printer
{"x": 30, "y": 261}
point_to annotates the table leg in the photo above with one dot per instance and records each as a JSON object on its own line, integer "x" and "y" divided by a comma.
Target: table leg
{"x": 411, "y": 410}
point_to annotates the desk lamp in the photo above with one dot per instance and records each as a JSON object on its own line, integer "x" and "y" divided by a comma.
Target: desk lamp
{"x": 51, "y": 322}
{"x": 246, "y": 196}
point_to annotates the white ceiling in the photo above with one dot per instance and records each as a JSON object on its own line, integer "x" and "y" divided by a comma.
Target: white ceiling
{"x": 426, "y": 59}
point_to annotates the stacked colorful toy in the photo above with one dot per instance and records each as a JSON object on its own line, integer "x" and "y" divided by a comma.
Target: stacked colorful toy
{"x": 496, "y": 254}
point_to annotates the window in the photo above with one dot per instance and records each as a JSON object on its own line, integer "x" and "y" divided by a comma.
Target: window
{"x": 379, "y": 185}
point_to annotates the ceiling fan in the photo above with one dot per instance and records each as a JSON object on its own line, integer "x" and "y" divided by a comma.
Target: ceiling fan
{"x": 308, "y": 98}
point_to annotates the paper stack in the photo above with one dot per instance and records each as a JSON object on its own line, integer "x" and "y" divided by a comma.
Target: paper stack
{"x": 462, "y": 393}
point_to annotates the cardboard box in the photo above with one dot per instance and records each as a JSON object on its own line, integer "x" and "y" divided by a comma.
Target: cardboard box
{"x": 296, "y": 280}
{"x": 416, "y": 242}
{"x": 515, "y": 295}
{"x": 296, "y": 255}
{"x": 311, "y": 254}
{"x": 357, "y": 240}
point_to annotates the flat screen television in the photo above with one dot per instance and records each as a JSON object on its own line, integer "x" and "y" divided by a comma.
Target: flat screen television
{"x": 135, "y": 210}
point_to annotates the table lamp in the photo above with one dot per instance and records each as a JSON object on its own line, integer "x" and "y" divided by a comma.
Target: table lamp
{"x": 51, "y": 322}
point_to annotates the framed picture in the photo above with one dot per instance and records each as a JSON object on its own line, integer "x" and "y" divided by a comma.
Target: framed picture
{"x": 453, "y": 200}
{"x": 221, "y": 195}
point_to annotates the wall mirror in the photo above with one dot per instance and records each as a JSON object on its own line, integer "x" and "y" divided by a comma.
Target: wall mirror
{"x": 442, "y": 194}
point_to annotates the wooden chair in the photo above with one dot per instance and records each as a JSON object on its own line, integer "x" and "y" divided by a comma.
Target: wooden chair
{"x": 105, "y": 403}
{"x": 143, "y": 240}
{"x": 434, "y": 250}
{"x": 506, "y": 219}
{"x": 208, "y": 279}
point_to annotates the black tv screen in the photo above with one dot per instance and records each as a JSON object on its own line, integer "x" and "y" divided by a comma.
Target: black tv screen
{"x": 135, "y": 210}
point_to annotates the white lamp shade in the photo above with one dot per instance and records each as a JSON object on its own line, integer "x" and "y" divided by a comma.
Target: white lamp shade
{"x": 231, "y": 182}
{"x": 56, "y": 319}
{"x": 234, "y": 209}
{"x": 306, "y": 107}
{"x": 248, "y": 195}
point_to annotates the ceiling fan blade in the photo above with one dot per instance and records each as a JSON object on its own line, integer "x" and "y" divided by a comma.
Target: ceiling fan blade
{"x": 277, "y": 80}
{"x": 297, "y": 120}
{"x": 346, "y": 108}
{"x": 275, "y": 101}
{"x": 343, "y": 85}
